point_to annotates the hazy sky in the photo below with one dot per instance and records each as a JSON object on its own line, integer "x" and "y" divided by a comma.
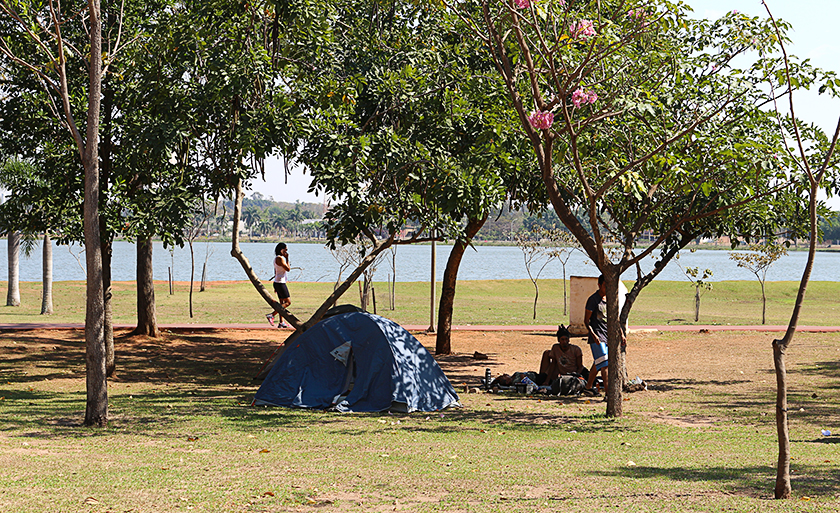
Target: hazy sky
{"x": 813, "y": 23}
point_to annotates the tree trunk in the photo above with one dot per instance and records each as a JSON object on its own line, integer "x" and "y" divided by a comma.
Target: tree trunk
{"x": 782, "y": 489}
{"x": 203, "y": 278}
{"x": 47, "y": 276}
{"x": 443, "y": 341}
{"x": 616, "y": 355}
{"x": 565, "y": 309}
{"x": 192, "y": 275}
{"x": 146, "y": 318}
{"x": 110, "y": 364}
{"x": 13, "y": 295}
{"x": 96, "y": 411}
{"x": 763, "y": 305}
{"x": 696, "y": 303}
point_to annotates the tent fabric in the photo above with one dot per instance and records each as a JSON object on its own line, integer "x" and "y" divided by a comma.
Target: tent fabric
{"x": 389, "y": 369}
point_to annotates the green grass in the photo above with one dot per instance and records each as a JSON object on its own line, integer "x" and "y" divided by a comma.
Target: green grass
{"x": 183, "y": 438}
{"x": 476, "y": 302}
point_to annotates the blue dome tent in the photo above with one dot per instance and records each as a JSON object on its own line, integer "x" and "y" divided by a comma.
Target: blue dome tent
{"x": 357, "y": 362}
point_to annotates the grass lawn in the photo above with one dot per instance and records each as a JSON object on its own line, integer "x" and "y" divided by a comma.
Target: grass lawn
{"x": 476, "y": 302}
{"x": 182, "y": 436}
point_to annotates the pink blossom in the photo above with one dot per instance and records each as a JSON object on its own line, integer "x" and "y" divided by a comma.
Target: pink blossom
{"x": 541, "y": 120}
{"x": 581, "y": 97}
{"x": 636, "y": 13}
{"x": 522, "y": 4}
{"x": 582, "y": 29}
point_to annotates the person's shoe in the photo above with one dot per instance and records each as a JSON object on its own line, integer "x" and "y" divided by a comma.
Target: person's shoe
{"x": 591, "y": 392}
{"x": 283, "y": 324}
{"x": 270, "y": 319}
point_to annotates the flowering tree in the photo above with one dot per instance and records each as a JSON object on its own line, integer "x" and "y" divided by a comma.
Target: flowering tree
{"x": 637, "y": 117}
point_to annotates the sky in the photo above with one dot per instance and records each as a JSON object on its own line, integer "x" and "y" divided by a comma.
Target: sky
{"x": 814, "y": 22}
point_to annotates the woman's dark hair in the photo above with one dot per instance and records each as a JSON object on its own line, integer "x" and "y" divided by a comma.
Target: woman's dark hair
{"x": 279, "y": 247}
{"x": 562, "y": 331}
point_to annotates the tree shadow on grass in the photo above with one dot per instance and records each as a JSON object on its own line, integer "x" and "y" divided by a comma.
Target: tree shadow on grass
{"x": 167, "y": 381}
{"x": 670, "y": 385}
{"x": 814, "y": 481}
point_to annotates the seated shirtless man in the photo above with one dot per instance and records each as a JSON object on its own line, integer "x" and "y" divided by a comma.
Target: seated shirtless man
{"x": 562, "y": 359}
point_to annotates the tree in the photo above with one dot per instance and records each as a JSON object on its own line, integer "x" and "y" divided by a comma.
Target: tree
{"x": 815, "y": 157}
{"x": 34, "y": 35}
{"x": 636, "y": 119}
{"x": 700, "y": 281}
{"x": 534, "y": 254}
{"x": 561, "y": 246}
{"x": 758, "y": 260}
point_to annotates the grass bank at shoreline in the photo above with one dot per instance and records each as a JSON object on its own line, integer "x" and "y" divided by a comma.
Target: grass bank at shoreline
{"x": 494, "y": 302}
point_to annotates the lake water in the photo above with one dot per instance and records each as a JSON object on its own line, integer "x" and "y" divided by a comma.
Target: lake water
{"x": 314, "y": 262}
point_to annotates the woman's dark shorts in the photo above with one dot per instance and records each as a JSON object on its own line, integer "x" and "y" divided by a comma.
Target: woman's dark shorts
{"x": 282, "y": 290}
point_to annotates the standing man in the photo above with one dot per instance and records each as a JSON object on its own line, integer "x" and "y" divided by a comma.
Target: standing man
{"x": 281, "y": 267}
{"x": 595, "y": 319}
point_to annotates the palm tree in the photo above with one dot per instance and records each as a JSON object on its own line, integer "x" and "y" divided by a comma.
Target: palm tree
{"x": 279, "y": 222}
{"x": 13, "y": 295}
{"x": 250, "y": 217}
{"x": 47, "y": 275}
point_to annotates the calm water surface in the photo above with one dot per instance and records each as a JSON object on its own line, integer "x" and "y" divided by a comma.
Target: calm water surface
{"x": 314, "y": 262}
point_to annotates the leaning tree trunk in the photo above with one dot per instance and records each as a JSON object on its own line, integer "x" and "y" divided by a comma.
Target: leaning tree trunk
{"x": 146, "y": 318}
{"x": 443, "y": 342}
{"x": 47, "y": 276}
{"x": 13, "y": 295}
{"x": 107, "y": 295}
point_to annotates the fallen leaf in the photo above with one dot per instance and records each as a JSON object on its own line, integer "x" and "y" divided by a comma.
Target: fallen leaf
{"x": 631, "y": 463}
{"x": 268, "y": 494}
{"x": 91, "y": 500}
{"x": 264, "y": 451}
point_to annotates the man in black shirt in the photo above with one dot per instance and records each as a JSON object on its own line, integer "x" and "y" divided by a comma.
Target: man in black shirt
{"x": 595, "y": 319}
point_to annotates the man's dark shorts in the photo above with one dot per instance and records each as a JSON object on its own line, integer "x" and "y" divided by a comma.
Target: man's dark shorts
{"x": 282, "y": 290}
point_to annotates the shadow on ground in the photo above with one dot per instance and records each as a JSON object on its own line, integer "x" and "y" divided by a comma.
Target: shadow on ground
{"x": 806, "y": 480}
{"x": 160, "y": 382}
